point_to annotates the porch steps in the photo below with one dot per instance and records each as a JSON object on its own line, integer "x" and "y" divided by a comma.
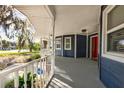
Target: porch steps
{"x": 56, "y": 83}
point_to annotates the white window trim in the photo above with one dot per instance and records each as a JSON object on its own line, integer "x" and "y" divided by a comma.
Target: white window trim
{"x": 59, "y": 43}
{"x": 65, "y": 43}
{"x": 111, "y": 55}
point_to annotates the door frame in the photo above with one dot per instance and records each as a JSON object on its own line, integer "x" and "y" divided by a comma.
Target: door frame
{"x": 91, "y": 44}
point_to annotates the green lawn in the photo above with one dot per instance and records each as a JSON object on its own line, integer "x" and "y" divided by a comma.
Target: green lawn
{"x": 3, "y": 54}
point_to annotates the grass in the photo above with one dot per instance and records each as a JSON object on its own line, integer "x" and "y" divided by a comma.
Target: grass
{"x": 18, "y": 57}
{"x": 17, "y": 53}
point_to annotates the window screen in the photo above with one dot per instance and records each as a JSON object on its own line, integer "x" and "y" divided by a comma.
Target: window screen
{"x": 115, "y": 17}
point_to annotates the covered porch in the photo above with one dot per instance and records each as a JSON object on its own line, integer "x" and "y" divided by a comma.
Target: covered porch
{"x": 70, "y": 71}
{"x": 76, "y": 73}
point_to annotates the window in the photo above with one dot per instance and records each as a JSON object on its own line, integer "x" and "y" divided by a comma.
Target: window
{"x": 116, "y": 41}
{"x": 58, "y": 44}
{"x": 45, "y": 44}
{"x": 67, "y": 45}
{"x": 115, "y": 17}
{"x": 113, "y": 31}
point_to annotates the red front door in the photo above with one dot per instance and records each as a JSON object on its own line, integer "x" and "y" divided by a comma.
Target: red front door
{"x": 95, "y": 48}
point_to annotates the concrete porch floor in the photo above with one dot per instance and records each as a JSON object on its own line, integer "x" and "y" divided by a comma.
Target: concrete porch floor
{"x": 78, "y": 73}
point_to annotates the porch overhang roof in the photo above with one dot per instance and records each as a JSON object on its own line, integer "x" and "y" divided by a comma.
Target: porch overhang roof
{"x": 40, "y": 17}
{"x": 71, "y": 19}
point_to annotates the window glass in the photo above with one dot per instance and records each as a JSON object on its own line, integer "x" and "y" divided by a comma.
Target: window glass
{"x": 116, "y": 41}
{"x": 115, "y": 17}
{"x": 44, "y": 44}
{"x": 67, "y": 45}
{"x": 67, "y": 40}
{"x": 58, "y": 43}
{"x": 58, "y": 46}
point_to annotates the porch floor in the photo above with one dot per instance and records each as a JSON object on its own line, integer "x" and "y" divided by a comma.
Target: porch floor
{"x": 76, "y": 73}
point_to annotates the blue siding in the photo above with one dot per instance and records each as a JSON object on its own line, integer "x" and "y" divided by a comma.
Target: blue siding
{"x": 81, "y": 46}
{"x": 59, "y": 52}
{"x": 112, "y": 73}
{"x": 69, "y": 53}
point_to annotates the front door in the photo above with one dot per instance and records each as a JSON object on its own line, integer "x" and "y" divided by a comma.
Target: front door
{"x": 95, "y": 48}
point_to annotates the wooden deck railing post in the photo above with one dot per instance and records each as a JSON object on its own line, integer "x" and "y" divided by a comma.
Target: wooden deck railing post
{"x": 41, "y": 75}
{"x": 32, "y": 74}
{"x": 0, "y": 82}
{"x": 25, "y": 77}
{"x": 37, "y": 82}
{"x": 16, "y": 79}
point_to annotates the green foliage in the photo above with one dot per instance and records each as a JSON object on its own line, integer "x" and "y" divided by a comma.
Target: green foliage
{"x": 36, "y": 47}
{"x": 17, "y": 53}
{"x": 10, "y": 84}
{"x": 15, "y": 26}
{"x": 35, "y": 56}
{"x": 30, "y": 46}
{"x": 5, "y": 44}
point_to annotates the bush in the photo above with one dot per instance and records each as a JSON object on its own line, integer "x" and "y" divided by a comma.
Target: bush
{"x": 36, "y": 47}
{"x": 10, "y": 84}
{"x": 35, "y": 56}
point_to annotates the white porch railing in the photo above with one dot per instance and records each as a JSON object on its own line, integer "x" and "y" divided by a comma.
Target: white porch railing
{"x": 40, "y": 74}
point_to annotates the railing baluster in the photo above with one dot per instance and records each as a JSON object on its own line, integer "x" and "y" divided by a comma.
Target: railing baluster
{"x": 41, "y": 79}
{"x": 45, "y": 68}
{"x": 32, "y": 74}
{"x": 37, "y": 75}
{"x": 41, "y": 76}
{"x": 16, "y": 79}
{"x": 43, "y": 71}
{"x": 0, "y": 82}
{"x": 25, "y": 77}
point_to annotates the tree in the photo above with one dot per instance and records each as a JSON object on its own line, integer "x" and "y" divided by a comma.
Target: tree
{"x": 36, "y": 46}
{"x": 15, "y": 26}
{"x": 5, "y": 44}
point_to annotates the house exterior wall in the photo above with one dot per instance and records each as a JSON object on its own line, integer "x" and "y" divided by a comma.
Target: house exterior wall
{"x": 59, "y": 52}
{"x": 69, "y": 53}
{"x": 81, "y": 46}
{"x": 111, "y": 71}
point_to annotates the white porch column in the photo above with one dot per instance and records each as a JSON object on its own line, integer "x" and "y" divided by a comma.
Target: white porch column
{"x": 53, "y": 46}
{"x": 75, "y": 48}
{"x": 87, "y": 44}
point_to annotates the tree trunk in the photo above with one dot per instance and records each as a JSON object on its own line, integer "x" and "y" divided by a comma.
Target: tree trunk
{"x": 30, "y": 49}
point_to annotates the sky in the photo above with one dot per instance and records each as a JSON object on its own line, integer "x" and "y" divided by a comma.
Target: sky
{"x": 4, "y": 37}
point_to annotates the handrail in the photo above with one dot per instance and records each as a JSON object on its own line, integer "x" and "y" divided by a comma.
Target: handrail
{"x": 4, "y": 72}
{"x": 7, "y": 71}
{"x": 43, "y": 62}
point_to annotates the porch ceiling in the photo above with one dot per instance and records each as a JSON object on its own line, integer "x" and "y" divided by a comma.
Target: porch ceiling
{"x": 39, "y": 17}
{"x": 71, "y": 19}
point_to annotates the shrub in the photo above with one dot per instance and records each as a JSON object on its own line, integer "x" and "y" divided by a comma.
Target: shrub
{"x": 36, "y": 47}
{"x": 10, "y": 84}
{"x": 35, "y": 56}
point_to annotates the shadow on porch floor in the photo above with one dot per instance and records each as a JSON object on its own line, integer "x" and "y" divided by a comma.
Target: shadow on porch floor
{"x": 77, "y": 73}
